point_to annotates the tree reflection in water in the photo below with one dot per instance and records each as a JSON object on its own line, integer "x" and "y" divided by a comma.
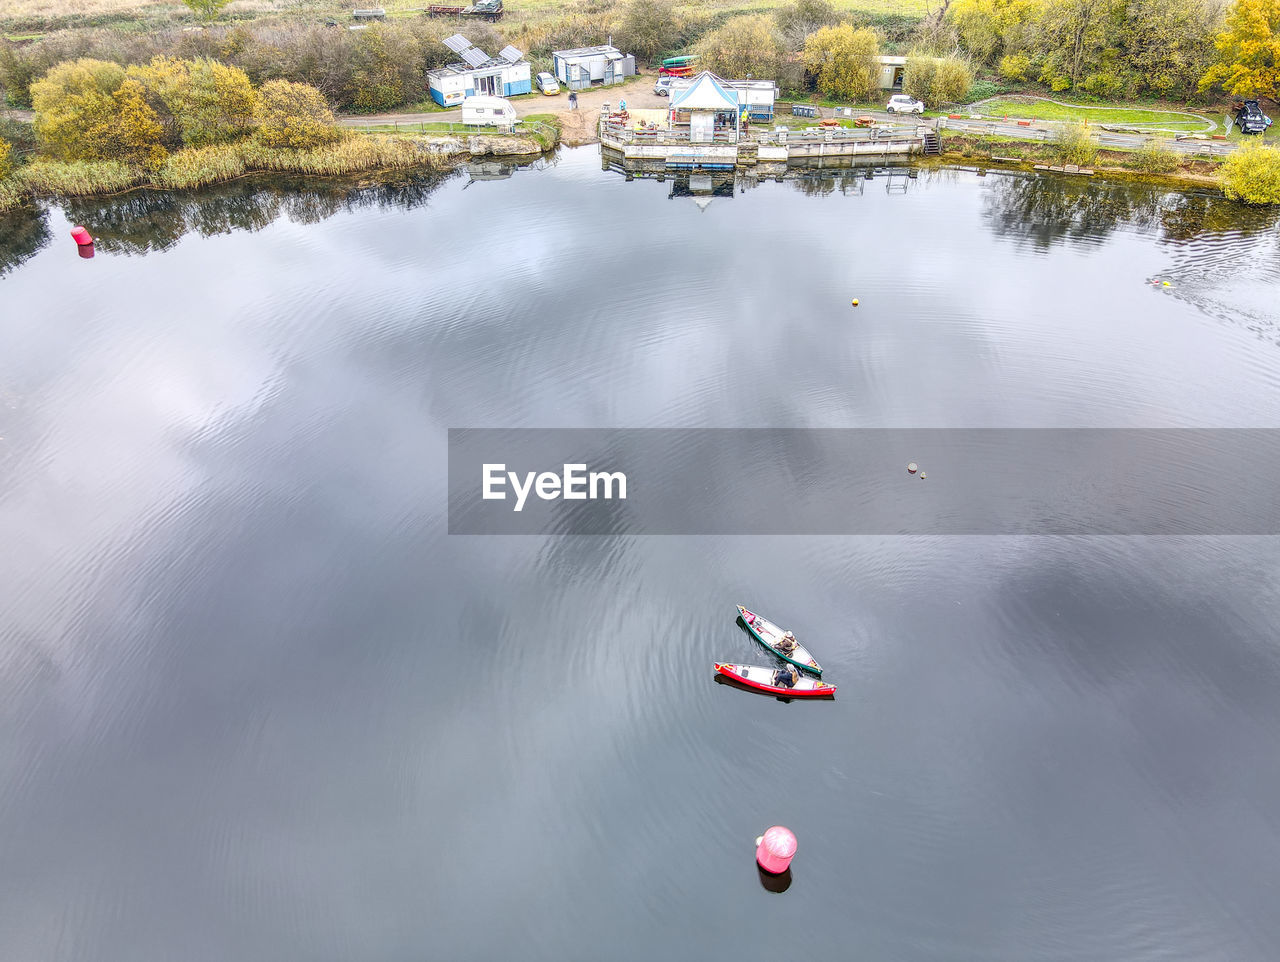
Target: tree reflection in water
{"x": 145, "y": 221}
{"x": 22, "y": 235}
{"x": 1047, "y": 210}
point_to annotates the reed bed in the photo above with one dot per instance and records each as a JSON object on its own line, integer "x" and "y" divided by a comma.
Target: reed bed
{"x": 200, "y": 166}
{"x": 352, "y": 154}
{"x": 80, "y": 179}
{"x": 12, "y": 194}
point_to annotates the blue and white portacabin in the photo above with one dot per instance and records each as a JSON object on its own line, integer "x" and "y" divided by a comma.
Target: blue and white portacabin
{"x": 479, "y": 75}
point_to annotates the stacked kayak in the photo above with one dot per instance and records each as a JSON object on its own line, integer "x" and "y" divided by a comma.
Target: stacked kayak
{"x": 785, "y": 681}
{"x": 762, "y": 679}
{"x": 775, "y": 639}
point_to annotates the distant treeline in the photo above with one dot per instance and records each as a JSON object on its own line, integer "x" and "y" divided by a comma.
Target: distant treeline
{"x": 1118, "y": 49}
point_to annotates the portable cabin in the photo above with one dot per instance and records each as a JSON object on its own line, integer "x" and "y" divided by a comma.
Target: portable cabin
{"x": 488, "y": 112}
{"x": 506, "y": 75}
{"x": 583, "y": 66}
{"x": 893, "y": 71}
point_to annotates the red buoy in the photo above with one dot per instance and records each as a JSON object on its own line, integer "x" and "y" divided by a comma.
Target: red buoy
{"x": 81, "y": 236}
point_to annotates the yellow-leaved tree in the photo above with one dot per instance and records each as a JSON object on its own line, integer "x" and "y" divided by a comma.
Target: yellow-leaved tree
{"x": 75, "y": 110}
{"x": 200, "y": 102}
{"x": 137, "y": 129}
{"x": 1252, "y": 174}
{"x": 843, "y": 59}
{"x": 6, "y": 164}
{"x": 293, "y": 115}
{"x": 1248, "y": 51}
{"x": 746, "y": 47}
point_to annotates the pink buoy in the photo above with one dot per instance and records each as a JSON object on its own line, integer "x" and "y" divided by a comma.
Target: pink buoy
{"x": 775, "y": 849}
{"x": 81, "y": 236}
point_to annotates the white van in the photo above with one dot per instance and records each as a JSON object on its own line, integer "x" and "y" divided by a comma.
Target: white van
{"x": 488, "y": 112}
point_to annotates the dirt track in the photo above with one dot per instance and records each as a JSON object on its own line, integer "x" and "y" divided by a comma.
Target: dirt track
{"x": 577, "y": 126}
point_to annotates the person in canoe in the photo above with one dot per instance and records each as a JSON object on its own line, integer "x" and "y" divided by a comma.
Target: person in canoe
{"x": 788, "y": 643}
{"x": 786, "y": 677}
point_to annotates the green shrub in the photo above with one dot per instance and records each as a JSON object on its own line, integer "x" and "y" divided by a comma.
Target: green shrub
{"x": 1252, "y": 174}
{"x": 1074, "y": 145}
{"x": 951, "y": 80}
{"x": 1015, "y": 67}
{"x": 6, "y": 159}
{"x": 1155, "y": 158}
{"x": 983, "y": 90}
{"x": 918, "y": 81}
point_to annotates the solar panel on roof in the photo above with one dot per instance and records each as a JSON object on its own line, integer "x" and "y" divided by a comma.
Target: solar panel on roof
{"x": 510, "y": 54}
{"x": 474, "y": 56}
{"x": 457, "y": 43}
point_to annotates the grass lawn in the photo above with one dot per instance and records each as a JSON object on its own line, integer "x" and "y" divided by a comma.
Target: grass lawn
{"x": 1045, "y": 110}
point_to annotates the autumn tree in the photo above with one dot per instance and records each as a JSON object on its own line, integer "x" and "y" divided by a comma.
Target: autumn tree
{"x": 202, "y": 101}
{"x": 1167, "y": 44}
{"x": 1252, "y": 174}
{"x": 918, "y": 78}
{"x": 75, "y": 109}
{"x": 951, "y": 81}
{"x": 1248, "y": 62}
{"x": 649, "y": 27}
{"x": 385, "y": 69}
{"x": 843, "y": 61}
{"x": 6, "y": 161}
{"x": 796, "y": 21}
{"x": 743, "y": 47}
{"x": 293, "y": 115}
{"x": 136, "y": 129}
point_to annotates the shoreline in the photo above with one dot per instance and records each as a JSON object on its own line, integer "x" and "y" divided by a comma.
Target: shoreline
{"x": 45, "y": 179}
{"x": 450, "y": 163}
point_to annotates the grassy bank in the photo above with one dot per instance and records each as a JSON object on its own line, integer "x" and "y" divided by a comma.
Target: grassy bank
{"x": 1147, "y": 164}
{"x": 204, "y": 166}
{"x": 1028, "y": 108}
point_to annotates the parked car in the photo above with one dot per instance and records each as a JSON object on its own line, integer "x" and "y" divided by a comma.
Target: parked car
{"x": 1250, "y": 118}
{"x": 902, "y": 104}
{"x": 663, "y": 87}
{"x": 548, "y": 84}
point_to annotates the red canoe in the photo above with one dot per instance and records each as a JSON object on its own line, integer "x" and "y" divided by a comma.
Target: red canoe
{"x": 761, "y": 679}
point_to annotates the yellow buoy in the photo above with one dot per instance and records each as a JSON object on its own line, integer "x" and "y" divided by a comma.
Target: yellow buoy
{"x": 1167, "y": 284}
{"x": 855, "y": 302}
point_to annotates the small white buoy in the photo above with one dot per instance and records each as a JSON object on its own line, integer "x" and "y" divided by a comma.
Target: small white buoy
{"x": 923, "y": 475}
{"x": 912, "y": 467}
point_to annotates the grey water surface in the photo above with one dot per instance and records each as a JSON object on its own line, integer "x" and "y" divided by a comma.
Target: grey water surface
{"x": 257, "y": 704}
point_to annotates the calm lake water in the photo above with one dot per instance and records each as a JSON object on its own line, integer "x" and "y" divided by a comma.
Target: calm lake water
{"x": 257, "y": 704}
